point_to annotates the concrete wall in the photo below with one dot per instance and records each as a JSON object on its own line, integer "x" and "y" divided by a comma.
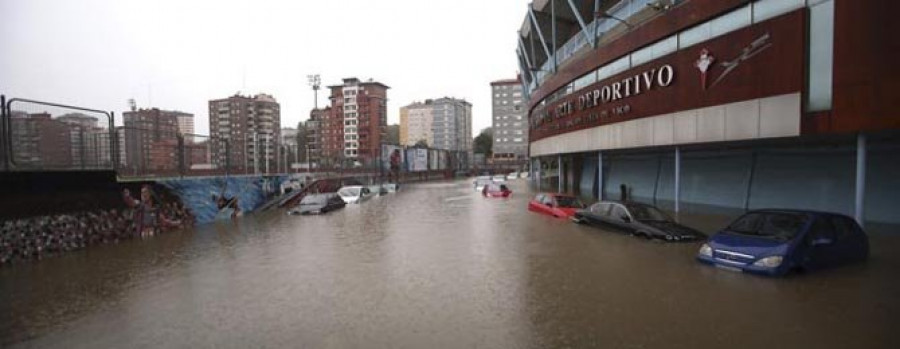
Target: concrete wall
{"x": 727, "y": 182}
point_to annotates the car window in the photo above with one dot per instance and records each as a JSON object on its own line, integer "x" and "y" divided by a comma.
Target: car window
{"x": 843, "y": 227}
{"x": 777, "y": 225}
{"x": 646, "y": 213}
{"x": 548, "y": 200}
{"x": 600, "y": 209}
{"x": 822, "y": 228}
{"x": 618, "y": 211}
{"x": 539, "y": 198}
{"x": 503, "y": 188}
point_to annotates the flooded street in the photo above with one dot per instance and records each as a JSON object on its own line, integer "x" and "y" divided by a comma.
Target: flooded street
{"x": 435, "y": 265}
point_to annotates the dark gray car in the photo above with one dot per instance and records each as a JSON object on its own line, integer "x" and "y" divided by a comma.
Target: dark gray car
{"x": 639, "y": 219}
{"x": 318, "y": 204}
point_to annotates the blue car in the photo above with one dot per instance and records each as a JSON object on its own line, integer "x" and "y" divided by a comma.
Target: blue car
{"x": 775, "y": 242}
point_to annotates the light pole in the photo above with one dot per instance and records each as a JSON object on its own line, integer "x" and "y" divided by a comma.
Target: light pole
{"x": 315, "y": 81}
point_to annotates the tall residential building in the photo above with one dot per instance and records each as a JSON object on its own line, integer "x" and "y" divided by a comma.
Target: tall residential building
{"x": 415, "y": 123}
{"x": 251, "y": 128}
{"x": 40, "y": 141}
{"x": 85, "y": 137}
{"x": 508, "y": 120}
{"x": 146, "y": 129}
{"x": 314, "y": 134}
{"x": 357, "y": 123}
{"x": 186, "y": 125}
{"x": 443, "y": 123}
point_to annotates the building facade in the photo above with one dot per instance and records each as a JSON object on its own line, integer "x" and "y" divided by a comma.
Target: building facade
{"x": 185, "y": 125}
{"x": 356, "y": 122}
{"x": 443, "y": 123}
{"x": 39, "y": 141}
{"x": 145, "y": 131}
{"x": 245, "y": 133}
{"x": 314, "y": 134}
{"x": 508, "y": 121}
{"x": 717, "y": 106}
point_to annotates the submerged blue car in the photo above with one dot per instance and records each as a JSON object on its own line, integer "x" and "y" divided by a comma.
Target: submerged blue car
{"x": 775, "y": 242}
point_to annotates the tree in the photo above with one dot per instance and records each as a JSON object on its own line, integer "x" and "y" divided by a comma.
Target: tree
{"x": 484, "y": 142}
{"x": 393, "y": 134}
{"x": 302, "y": 134}
{"x": 421, "y": 144}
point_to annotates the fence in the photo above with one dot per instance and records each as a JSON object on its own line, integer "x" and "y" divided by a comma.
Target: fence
{"x": 49, "y": 136}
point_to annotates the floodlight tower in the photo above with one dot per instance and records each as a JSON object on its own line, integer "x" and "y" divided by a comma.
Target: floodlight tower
{"x": 315, "y": 81}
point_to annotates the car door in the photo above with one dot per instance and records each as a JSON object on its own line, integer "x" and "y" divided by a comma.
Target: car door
{"x": 549, "y": 205}
{"x": 824, "y": 249}
{"x": 534, "y": 204}
{"x": 616, "y": 218}
{"x": 597, "y": 213}
{"x": 852, "y": 244}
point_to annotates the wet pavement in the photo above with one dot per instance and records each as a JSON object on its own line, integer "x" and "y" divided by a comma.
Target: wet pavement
{"x": 435, "y": 265}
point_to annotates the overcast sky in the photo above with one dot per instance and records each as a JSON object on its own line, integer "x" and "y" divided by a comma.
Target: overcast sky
{"x": 178, "y": 54}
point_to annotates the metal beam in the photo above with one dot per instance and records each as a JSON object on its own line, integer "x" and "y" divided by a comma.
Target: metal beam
{"x": 600, "y": 176}
{"x": 677, "y": 182}
{"x": 584, "y": 29}
{"x": 860, "y": 179}
{"x": 559, "y": 174}
{"x": 524, "y": 55}
{"x": 553, "y": 31}
{"x": 537, "y": 28}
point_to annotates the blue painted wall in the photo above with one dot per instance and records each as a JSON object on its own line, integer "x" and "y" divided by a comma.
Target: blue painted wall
{"x": 196, "y": 193}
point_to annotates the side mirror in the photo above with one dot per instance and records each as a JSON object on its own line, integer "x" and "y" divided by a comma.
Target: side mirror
{"x": 822, "y": 241}
{"x": 626, "y": 219}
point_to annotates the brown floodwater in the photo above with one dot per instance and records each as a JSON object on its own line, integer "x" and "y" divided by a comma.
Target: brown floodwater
{"x": 435, "y": 265}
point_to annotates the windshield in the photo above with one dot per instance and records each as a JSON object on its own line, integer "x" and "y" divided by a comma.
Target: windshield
{"x": 647, "y": 213}
{"x": 780, "y": 226}
{"x": 568, "y": 202}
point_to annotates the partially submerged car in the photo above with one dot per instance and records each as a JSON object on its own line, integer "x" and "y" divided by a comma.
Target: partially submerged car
{"x": 496, "y": 190}
{"x": 776, "y": 242}
{"x": 355, "y": 194}
{"x": 556, "y": 205}
{"x": 318, "y": 204}
{"x": 638, "y": 219}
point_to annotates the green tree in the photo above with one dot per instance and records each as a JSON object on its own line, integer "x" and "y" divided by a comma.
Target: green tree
{"x": 484, "y": 142}
{"x": 393, "y": 134}
{"x": 421, "y": 144}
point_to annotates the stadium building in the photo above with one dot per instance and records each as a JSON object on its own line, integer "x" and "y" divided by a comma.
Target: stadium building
{"x": 717, "y": 106}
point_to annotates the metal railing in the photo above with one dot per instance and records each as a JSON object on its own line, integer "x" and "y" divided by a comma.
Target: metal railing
{"x": 41, "y": 135}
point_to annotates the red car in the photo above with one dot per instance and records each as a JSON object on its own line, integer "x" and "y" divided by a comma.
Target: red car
{"x": 556, "y": 205}
{"x": 495, "y": 190}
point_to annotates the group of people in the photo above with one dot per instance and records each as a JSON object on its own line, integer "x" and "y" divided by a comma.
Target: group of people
{"x": 38, "y": 237}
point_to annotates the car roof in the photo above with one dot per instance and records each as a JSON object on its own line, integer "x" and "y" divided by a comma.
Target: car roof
{"x": 799, "y": 211}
